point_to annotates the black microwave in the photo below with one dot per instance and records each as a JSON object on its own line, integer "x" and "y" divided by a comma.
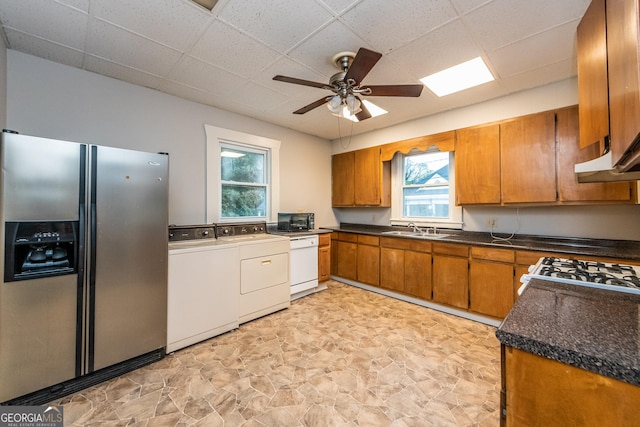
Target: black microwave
{"x": 296, "y": 221}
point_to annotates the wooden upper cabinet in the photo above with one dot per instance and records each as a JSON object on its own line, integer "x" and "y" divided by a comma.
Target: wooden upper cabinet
{"x": 624, "y": 74}
{"x": 593, "y": 91}
{"x": 569, "y": 153}
{"x": 478, "y": 165}
{"x": 528, "y": 159}
{"x": 343, "y": 179}
{"x": 360, "y": 178}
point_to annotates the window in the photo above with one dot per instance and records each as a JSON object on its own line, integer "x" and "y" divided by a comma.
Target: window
{"x": 423, "y": 189}
{"x": 242, "y": 176}
{"x": 244, "y": 181}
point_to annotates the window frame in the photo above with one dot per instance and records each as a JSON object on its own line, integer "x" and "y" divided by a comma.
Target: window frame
{"x": 215, "y": 138}
{"x": 455, "y": 219}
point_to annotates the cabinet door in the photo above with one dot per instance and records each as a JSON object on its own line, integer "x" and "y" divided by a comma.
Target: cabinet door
{"x": 593, "y": 92}
{"x": 623, "y": 67}
{"x": 569, "y": 153}
{"x": 417, "y": 274}
{"x": 334, "y": 253}
{"x": 368, "y": 264}
{"x": 392, "y": 269}
{"x": 490, "y": 288}
{"x": 342, "y": 179}
{"x": 451, "y": 280}
{"x": 528, "y": 159}
{"x": 347, "y": 264}
{"x": 478, "y": 165}
{"x": 367, "y": 177}
{"x": 324, "y": 263}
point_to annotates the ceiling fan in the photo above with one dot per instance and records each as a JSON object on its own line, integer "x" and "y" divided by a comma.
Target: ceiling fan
{"x": 346, "y": 85}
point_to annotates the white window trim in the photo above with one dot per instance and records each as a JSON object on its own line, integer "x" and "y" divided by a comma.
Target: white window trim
{"x": 215, "y": 136}
{"x": 455, "y": 212}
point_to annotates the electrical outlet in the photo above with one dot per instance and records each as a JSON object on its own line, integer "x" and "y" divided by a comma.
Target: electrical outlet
{"x": 492, "y": 222}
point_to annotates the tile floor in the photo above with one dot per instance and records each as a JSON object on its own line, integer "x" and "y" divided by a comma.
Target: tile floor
{"x": 341, "y": 357}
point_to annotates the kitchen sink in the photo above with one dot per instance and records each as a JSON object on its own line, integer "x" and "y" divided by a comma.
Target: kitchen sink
{"x": 418, "y": 235}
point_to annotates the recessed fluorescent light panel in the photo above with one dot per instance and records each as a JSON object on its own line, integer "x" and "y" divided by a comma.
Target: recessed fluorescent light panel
{"x": 209, "y": 4}
{"x": 459, "y": 77}
{"x": 373, "y": 109}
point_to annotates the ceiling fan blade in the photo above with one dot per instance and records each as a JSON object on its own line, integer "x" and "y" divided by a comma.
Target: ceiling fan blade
{"x": 299, "y": 81}
{"x": 364, "y": 114}
{"x": 363, "y": 63}
{"x": 395, "y": 90}
{"x": 311, "y": 106}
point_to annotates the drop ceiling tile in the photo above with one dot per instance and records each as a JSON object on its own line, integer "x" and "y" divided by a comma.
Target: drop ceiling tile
{"x": 425, "y": 55}
{"x": 206, "y": 77}
{"x": 287, "y": 67}
{"x": 549, "y": 47}
{"x": 258, "y": 97}
{"x": 131, "y": 50}
{"x": 339, "y": 6}
{"x": 82, "y": 5}
{"x": 503, "y": 22}
{"x": 44, "y": 48}
{"x": 540, "y": 76}
{"x": 170, "y": 22}
{"x": 232, "y": 50}
{"x": 187, "y": 92}
{"x": 40, "y": 18}
{"x": 319, "y": 49}
{"x": 120, "y": 72}
{"x": 464, "y": 6}
{"x": 387, "y": 25}
{"x": 279, "y": 24}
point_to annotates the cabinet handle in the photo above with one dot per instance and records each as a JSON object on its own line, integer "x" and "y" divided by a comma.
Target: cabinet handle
{"x": 266, "y": 262}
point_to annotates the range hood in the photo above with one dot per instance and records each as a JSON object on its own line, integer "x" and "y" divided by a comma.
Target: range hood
{"x": 602, "y": 170}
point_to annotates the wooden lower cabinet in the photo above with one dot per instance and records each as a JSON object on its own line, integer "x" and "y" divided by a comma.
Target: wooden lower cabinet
{"x": 491, "y": 272}
{"x": 451, "y": 274}
{"x": 368, "y": 263}
{"x": 537, "y": 391}
{"x": 405, "y": 267}
{"x": 324, "y": 257}
{"x": 347, "y": 255}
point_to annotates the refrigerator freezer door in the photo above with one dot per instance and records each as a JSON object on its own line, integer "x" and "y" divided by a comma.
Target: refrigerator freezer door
{"x": 130, "y": 204}
{"x": 41, "y": 178}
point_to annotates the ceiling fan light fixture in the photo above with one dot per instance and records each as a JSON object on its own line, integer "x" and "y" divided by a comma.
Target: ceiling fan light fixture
{"x": 334, "y": 104}
{"x": 353, "y": 104}
{"x": 374, "y": 110}
{"x": 459, "y": 77}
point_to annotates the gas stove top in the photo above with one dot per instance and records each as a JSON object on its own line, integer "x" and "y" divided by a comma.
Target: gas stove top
{"x": 595, "y": 274}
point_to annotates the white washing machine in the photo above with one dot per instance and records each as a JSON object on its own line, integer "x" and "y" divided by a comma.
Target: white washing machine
{"x": 204, "y": 283}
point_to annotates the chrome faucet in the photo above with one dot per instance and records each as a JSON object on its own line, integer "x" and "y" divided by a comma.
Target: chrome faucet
{"x": 415, "y": 228}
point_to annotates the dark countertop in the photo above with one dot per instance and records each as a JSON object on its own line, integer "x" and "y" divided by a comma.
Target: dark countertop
{"x": 593, "y": 329}
{"x": 297, "y": 233}
{"x": 622, "y": 249}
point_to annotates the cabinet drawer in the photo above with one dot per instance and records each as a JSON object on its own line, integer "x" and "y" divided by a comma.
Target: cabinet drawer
{"x": 530, "y": 257}
{"x": 407, "y": 244}
{"x": 493, "y": 254}
{"x": 324, "y": 239}
{"x": 451, "y": 249}
{"x": 363, "y": 239}
{"x": 348, "y": 237}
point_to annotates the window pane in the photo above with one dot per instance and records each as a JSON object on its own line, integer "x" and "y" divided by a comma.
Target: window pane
{"x": 243, "y": 200}
{"x": 245, "y": 166}
{"x": 430, "y": 168}
{"x": 430, "y": 202}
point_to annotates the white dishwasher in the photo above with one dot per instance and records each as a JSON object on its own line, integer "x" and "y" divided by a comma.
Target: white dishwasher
{"x": 303, "y": 265}
{"x": 203, "y": 286}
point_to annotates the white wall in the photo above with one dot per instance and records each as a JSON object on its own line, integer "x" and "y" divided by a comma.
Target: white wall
{"x": 609, "y": 222}
{"x": 3, "y": 84}
{"x": 56, "y": 101}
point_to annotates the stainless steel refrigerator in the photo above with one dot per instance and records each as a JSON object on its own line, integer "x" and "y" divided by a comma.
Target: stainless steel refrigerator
{"x": 84, "y": 257}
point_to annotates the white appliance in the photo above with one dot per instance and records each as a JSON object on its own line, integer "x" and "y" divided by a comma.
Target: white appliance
{"x": 594, "y": 274}
{"x": 204, "y": 282}
{"x": 304, "y": 265}
{"x": 264, "y": 268}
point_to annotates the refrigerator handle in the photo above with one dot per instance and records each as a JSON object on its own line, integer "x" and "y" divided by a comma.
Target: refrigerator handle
{"x": 81, "y": 238}
{"x": 93, "y": 159}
